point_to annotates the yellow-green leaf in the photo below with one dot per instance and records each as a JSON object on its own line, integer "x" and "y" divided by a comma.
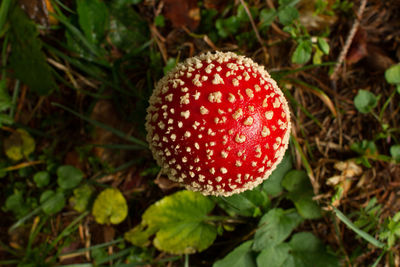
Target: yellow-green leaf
{"x": 179, "y": 222}
{"x": 110, "y": 207}
{"x": 19, "y": 145}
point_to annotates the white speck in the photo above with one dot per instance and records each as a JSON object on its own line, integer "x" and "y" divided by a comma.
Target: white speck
{"x": 215, "y": 97}
{"x": 188, "y": 149}
{"x": 218, "y": 179}
{"x": 223, "y": 170}
{"x": 173, "y": 137}
{"x": 265, "y": 102}
{"x": 248, "y": 121}
{"x": 231, "y": 98}
{"x": 180, "y": 124}
{"x": 196, "y": 145}
{"x": 203, "y": 110}
{"x": 187, "y": 134}
{"x": 204, "y": 78}
{"x": 201, "y": 178}
{"x": 276, "y": 103}
{"x": 240, "y": 138}
{"x": 249, "y": 93}
{"x": 184, "y": 159}
{"x": 185, "y": 114}
{"x": 269, "y": 115}
{"x": 238, "y": 163}
{"x": 185, "y": 99}
{"x": 261, "y": 169}
{"x": 196, "y": 95}
{"x": 224, "y": 154}
{"x": 265, "y": 131}
{"x": 219, "y": 68}
{"x": 235, "y": 82}
{"x": 170, "y": 121}
{"x": 161, "y": 125}
{"x": 212, "y": 170}
{"x": 257, "y": 88}
{"x": 184, "y": 89}
{"x": 253, "y": 163}
{"x": 238, "y": 113}
{"x": 169, "y": 97}
{"x": 192, "y": 174}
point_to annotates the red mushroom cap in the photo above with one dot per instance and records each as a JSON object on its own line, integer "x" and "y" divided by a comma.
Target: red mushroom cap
{"x": 218, "y": 124}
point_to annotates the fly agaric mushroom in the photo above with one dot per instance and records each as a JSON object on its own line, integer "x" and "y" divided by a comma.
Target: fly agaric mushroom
{"x": 217, "y": 123}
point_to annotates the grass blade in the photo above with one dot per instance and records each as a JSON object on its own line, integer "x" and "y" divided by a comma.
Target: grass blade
{"x": 104, "y": 126}
{"x": 5, "y": 5}
{"x": 357, "y": 230}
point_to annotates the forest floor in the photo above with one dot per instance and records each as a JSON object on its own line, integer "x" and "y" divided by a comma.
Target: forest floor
{"x": 76, "y": 77}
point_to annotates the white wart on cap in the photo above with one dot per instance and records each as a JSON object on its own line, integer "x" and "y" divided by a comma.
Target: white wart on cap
{"x": 218, "y": 124}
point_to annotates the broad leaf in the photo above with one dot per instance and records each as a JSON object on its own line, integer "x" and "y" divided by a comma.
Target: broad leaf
{"x": 249, "y": 203}
{"x": 27, "y": 61}
{"x": 52, "y": 202}
{"x": 81, "y": 198}
{"x": 110, "y": 207}
{"x": 274, "y": 256}
{"x": 365, "y": 101}
{"x": 179, "y": 223}
{"x": 273, "y": 184}
{"x": 274, "y": 227}
{"x": 93, "y": 19}
{"x": 68, "y": 176}
{"x": 301, "y": 193}
{"x": 19, "y": 145}
{"x": 392, "y": 74}
{"x": 302, "y": 54}
{"x": 303, "y": 250}
{"x": 41, "y": 178}
{"x": 239, "y": 257}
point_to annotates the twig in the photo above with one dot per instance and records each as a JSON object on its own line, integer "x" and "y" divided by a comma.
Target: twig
{"x": 264, "y": 48}
{"x": 349, "y": 40}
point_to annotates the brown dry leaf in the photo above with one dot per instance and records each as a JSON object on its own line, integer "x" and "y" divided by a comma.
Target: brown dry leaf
{"x": 349, "y": 170}
{"x": 182, "y": 13}
{"x": 358, "y": 49}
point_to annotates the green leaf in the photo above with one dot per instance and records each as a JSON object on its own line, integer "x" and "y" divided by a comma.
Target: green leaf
{"x": 307, "y": 250}
{"x": 395, "y": 152}
{"x": 249, "y": 203}
{"x": 179, "y": 222}
{"x": 239, "y": 257}
{"x": 274, "y": 256}
{"x": 81, "y": 198}
{"x": 365, "y": 101}
{"x": 27, "y": 61}
{"x": 302, "y": 54}
{"x": 301, "y": 193}
{"x": 93, "y": 19}
{"x": 228, "y": 26}
{"x": 19, "y": 145}
{"x": 16, "y": 204}
{"x": 110, "y": 207}
{"x": 267, "y": 16}
{"x": 159, "y": 21}
{"x": 68, "y": 176}
{"x": 41, "y": 178}
{"x": 274, "y": 227}
{"x": 323, "y": 45}
{"x": 287, "y": 15}
{"x": 52, "y": 202}
{"x": 392, "y": 74}
{"x": 272, "y": 186}
{"x": 128, "y": 30}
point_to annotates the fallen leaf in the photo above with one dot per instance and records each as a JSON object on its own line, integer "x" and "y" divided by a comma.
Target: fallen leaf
{"x": 182, "y": 13}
